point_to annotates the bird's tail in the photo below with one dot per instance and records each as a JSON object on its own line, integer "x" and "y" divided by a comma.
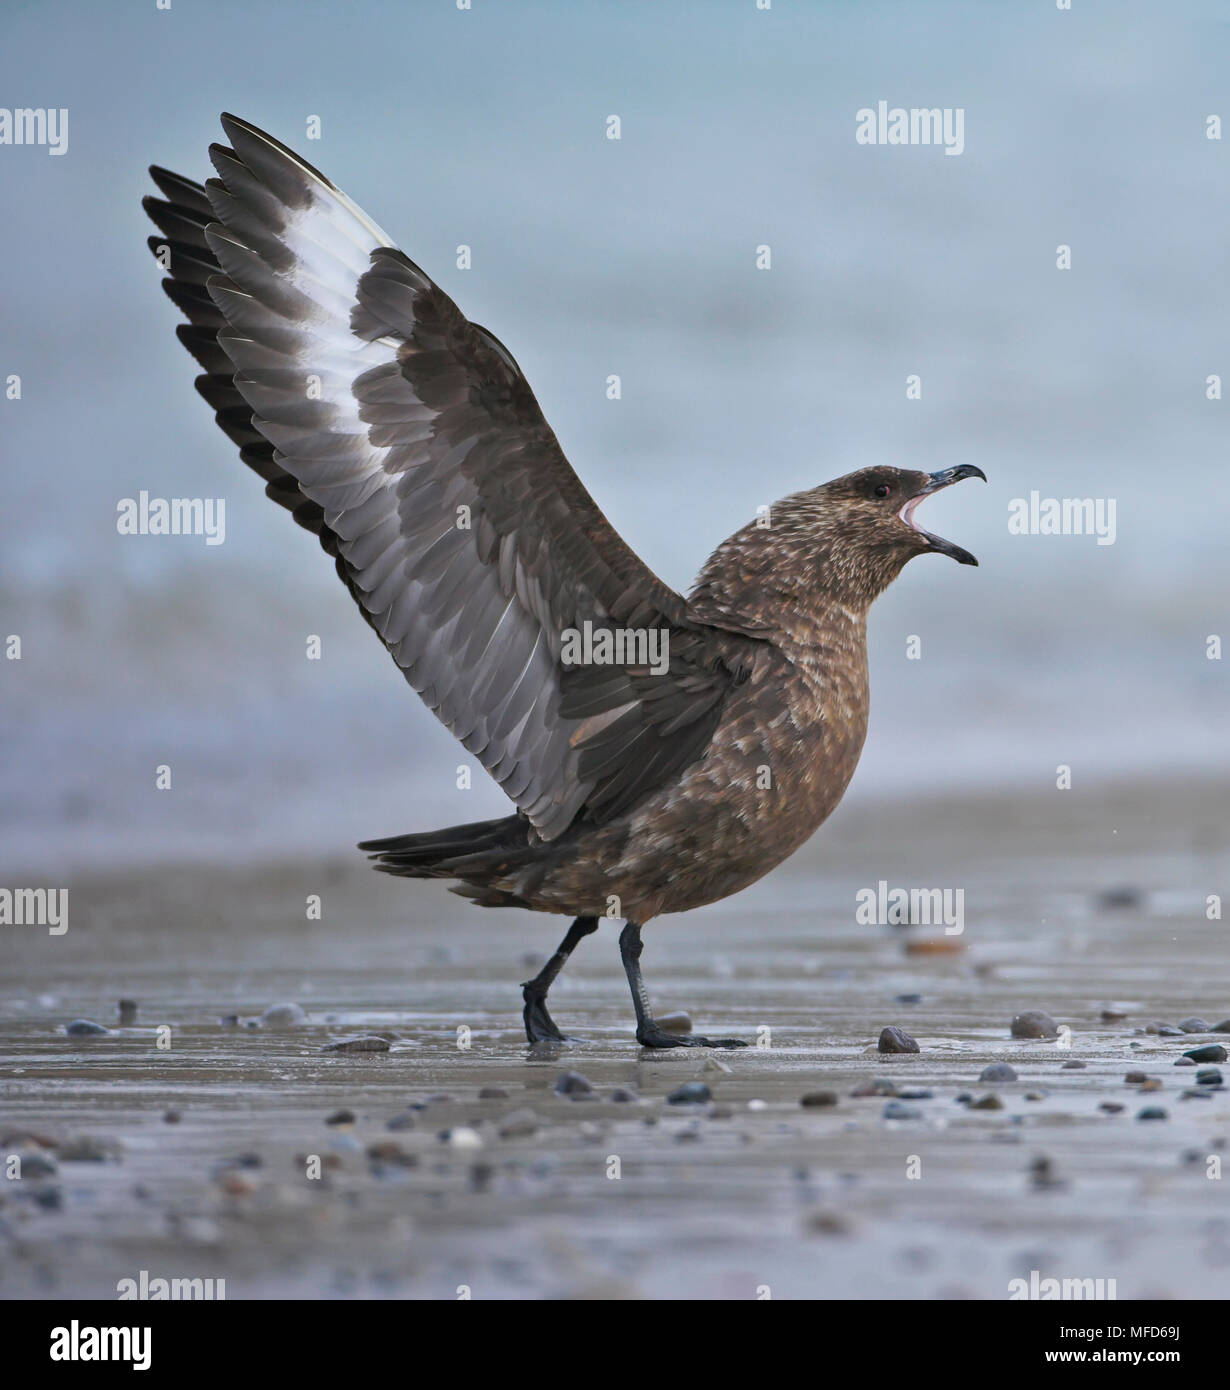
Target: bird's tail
{"x": 477, "y": 855}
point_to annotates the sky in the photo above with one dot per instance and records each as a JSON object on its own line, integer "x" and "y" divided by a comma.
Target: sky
{"x": 488, "y": 127}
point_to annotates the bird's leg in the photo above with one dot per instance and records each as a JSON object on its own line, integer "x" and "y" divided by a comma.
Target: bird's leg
{"x": 539, "y": 1025}
{"x": 648, "y": 1034}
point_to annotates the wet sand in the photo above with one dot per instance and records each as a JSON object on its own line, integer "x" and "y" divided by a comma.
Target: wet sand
{"x": 1074, "y": 901}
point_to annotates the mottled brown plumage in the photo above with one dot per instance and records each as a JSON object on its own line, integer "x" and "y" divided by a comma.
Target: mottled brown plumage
{"x": 409, "y": 441}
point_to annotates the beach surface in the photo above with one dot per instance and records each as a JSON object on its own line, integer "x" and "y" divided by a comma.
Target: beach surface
{"x": 197, "y": 1143}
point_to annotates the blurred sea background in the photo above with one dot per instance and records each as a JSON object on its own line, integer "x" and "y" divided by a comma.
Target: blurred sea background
{"x": 634, "y": 257}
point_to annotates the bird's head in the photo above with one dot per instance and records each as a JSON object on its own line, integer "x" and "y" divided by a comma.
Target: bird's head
{"x": 846, "y": 540}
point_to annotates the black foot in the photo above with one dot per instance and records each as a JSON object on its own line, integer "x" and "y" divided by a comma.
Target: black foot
{"x": 653, "y": 1036}
{"x": 539, "y": 1025}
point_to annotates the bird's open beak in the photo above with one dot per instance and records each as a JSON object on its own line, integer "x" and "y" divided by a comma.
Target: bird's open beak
{"x": 944, "y": 478}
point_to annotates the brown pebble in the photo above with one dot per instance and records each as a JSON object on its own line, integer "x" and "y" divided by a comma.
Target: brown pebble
{"x": 678, "y": 1022}
{"x": 1033, "y": 1023}
{"x": 371, "y": 1043}
{"x": 935, "y": 946}
{"x": 988, "y": 1102}
{"x": 818, "y": 1098}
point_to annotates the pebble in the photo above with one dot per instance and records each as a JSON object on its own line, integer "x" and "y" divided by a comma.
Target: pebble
{"x": 1196, "y": 1093}
{"x": 690, "y": 1093}
{"x": 678, "y": 1022}
{"x": 621, "y": 1095}
{"x": 1167, "y": 1031}
{"x": 127, "y": 1011}
{"x": 916, "y": 1095}
{"x": 1208, "y": 1076}
{"x": 987, "y": 1102}
{"x": 364, "y": 1044}
{"x": 340, "y": 1117}
{"x": 713, "y": 1063}
{"x": 721, "y": 1112}
{"x": 1043, "y": 1176}
{"x": 908, "y": 999}
{"x": 387, "y": 1153}
{"x": 492, "y": 1093}
{"x": 34, "y": 1164}
{"x": 828, "y": 1223}
{"x": 85, "y": 1148}
{"x": 896, "y": 1110}
{"x": 1033, "y": 1023}
{"x": 1119, "y": 899}
{"x": 236, "y": 1185}
{"x": 1113, "y": 1016}
{"x": 518, "y": 1125}
{"x": 1153, "y": 1112}
{"x": 1184, "y": 1062}
{"x": 1074, "y": 1065}
{"x": 463, "y": 1137}
{"x": 998, "y": 1071}
{"x": 1222, "y": 1027}
{"x": 572, "y": 1083}
{"x": 814, "y": 1099}
{"x": 1194, "y": 1025}
{"x": 229, "y": 1020}
{"x": 283, "y": 1016}
{"x": 405, "y": 1120}
{"x": 896, "y": 1040}
{"x": 1112, "y": 1107}
{"x": 1134, "y": 1078}
{"x": 1211, "y": 1052}
{"x": 171, "y": 1117}
{"x": 878, "y": 1087}
{"x": 85, "y": 1028}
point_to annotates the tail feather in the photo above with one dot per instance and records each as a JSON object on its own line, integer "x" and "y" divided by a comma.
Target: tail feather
{"x": 475, "y": 854}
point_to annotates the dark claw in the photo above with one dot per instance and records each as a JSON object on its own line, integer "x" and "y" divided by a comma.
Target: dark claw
{"x": 539, "y": 1025}
{"x": 657, "y": 1037}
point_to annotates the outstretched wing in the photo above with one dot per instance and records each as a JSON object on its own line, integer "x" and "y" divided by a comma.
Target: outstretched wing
{"x": 407, "y": 438}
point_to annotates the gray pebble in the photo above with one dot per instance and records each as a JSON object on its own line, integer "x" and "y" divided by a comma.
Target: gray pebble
{"x": 128, "y": 1012}
{"x": 1194, "y": 1025}
{"x": 85, "y": 1148}
{"x": 1033, "y": 1023}
{"x": 1153, "y": 1112}
{"x": 896, "y": 1040}
{"x": 897, "y": 1110}
{"x": 916, "y": 1095}
{"x": 518, "y": 1125}
{"x": 621, "y": 1095}
{"x": 908, "y": 999}
{"x": 492, "y": 1093}
{"x": 1167, "y": 1031}
{"x": 1222, "y": 1027}
{"x": 1196, "y": 1093}
{"x": 998, "y": 1071}
{"x": 572, "y": 1083}
{"x": 690, "y": 1093}
{"x": 406, "y": 1120}
{"x": 1184, "y": 1062}
{"x": 1208, "y": 1076}
{"x": 340, "y": 1117}
{"x": 283, "y": 1016}
{"x": 1073, "y": 1065}
{"x": 85, "y": 1028}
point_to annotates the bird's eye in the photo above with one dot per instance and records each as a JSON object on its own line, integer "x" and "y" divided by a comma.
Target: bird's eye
{"x": 883, "y": 490}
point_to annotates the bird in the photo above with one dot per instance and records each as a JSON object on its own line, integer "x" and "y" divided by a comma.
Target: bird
{"x": 661, "y": 752}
